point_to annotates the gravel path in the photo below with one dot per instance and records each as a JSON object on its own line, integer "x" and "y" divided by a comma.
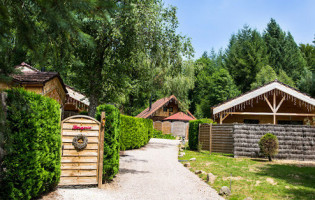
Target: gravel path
{"x": 152, "y": 172}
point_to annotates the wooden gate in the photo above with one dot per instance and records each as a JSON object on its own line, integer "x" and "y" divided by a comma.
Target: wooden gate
{"x": 82, "y": 167}
{"x": 217, "y": 138}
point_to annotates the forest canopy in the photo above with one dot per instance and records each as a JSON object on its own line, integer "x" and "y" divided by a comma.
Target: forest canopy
{"x": 126, "y": 52}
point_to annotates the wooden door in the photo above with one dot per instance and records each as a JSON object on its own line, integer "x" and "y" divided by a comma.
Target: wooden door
{"x": 80, "y": 167}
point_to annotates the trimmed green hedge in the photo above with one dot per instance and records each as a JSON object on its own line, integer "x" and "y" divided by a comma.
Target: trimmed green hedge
{"x": 32, "y": 162}
{"x": 111, "y": 140}
{"x": 135, "y": 132}
{"x": 194, "y": 130}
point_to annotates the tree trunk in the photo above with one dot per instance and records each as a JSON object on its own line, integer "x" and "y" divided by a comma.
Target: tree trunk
{"x": 93, "y": 104}
{"x": 269, "y": 157}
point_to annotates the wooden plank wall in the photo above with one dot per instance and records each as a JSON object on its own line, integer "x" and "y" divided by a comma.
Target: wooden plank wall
{"x": 219, "y": 137}
{"x": 79, "y": 167}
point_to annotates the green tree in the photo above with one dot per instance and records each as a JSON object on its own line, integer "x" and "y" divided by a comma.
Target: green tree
{"x": 268, "y": 74}
{"x": 214, "y": 89}
{"x": 40, "y": 32}
{"x": 308, "y": 52}
{"x": 282, "y": 51}
{"x": 129, "y": 50}
{"x": 245, "y": 55}
{"x": 269, "y": 145}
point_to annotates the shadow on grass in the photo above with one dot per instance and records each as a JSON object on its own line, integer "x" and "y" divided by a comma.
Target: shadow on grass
{"x": 301, "y": 177}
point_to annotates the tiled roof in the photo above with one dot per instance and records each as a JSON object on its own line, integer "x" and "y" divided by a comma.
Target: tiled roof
{"x": 180, "y": 116}
{"x": 157, "y": 105}
{"x": 34, "y": 76}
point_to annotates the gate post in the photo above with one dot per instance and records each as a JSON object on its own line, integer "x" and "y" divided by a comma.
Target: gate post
{"x": 210, "y": 138}
{"x": 101, "y": 153}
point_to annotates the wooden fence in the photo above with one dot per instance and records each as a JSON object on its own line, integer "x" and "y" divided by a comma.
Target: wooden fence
{"x": 217, "y": 138}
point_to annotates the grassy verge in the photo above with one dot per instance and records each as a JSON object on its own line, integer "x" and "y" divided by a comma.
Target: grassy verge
{"x": 256, "y": 178}
{"x": 160, "y": 135}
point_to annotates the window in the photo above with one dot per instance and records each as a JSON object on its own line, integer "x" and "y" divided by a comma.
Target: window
{"x": 251, "y": 121}
{"x": 164, "y": 109}
{"x": 171, "y": 109}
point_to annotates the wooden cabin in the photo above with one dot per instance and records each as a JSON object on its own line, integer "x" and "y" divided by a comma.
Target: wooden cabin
{"x": 46, "y": 83}
{"x": 76, "y": 102}
{"x": 273, "y": 103}
{"x": 162, "y": 109}
{"x": 49, "y": 84}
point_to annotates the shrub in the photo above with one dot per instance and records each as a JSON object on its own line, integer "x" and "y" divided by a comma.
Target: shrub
{"x": 159, "y": 134}
{"x": 194, "y": 132}
{"x": 32, "y": 160}
{"x": 135, "y": 132}
{"x": 111, "y": 140}
{"x": 269, "y": 145}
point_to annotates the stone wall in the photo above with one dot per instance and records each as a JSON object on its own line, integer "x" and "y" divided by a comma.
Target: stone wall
{"x": 295, "y": 142}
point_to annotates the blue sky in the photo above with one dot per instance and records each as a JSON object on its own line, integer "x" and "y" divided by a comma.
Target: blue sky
{"x": 210, "y": 23}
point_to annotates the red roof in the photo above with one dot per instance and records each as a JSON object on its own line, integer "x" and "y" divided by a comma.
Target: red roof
{"x": 157, "y": 105}
{"x": 180, "y": 116}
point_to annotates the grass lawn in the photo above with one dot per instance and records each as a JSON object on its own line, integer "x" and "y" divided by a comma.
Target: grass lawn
{"x": 255, "y": 178}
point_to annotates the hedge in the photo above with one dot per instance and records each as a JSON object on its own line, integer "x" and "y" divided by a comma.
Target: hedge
{"x": 194, "y": 130}
{"x": 159, "y": 134}
{"x": 135, "y": 132}
{"x": 32, "y": 160}
{"x": 111, "y": 140}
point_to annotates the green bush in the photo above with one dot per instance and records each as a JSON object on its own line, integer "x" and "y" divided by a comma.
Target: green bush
{"x": 32, "y": 160}
{"x": 135, "y": 132}
{"x": 159, "y": 134}
{"x": 269, "y": 145}
{"x": 111, "y": 140}
{"x": 194, "y": 130}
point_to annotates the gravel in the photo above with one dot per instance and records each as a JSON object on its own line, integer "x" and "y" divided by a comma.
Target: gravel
{"x": 152, "y": 172}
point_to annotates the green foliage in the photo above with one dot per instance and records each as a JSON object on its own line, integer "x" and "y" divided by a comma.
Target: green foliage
{"x": 283, "y": 52}
{"x": 111, "y": 140}
{"x": 268, "y": 74}
{"x": 308, "y": 53}
{"x": 212, "y": 90}
{"x": 194, "y": 132}
{"x": 33, "y": 147}
{"x": 269, "y": 145}
{"x": 135, "y": 132}
{"x": 246, "y": 54}
{"x": 159, "y": 134}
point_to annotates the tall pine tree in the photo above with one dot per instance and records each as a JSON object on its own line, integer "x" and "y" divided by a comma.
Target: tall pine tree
{"x": 245, "y": 56}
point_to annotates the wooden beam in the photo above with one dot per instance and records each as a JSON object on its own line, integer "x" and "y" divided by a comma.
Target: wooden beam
{"x": 278, "y": 114}
{"x": 269, "y": 104}
{"x": 225, "y": 116}
{"x": 221, "y": 120}
{"x": 280, "y": 104}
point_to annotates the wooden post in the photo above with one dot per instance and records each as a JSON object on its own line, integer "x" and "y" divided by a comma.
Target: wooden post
{"x": 221, "y": 120}
{"x": 101, "y": 150}
{"x": 274, "y": 107}
{"x": 210, "y": 138}
{"x": 199, "y": 135}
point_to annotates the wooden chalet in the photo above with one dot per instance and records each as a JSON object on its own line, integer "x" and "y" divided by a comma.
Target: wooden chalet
{"x": 162, "y": 109}
{"x": 46, "y": 83}
{"x": 273, "y": 103}
{"x": 49, "y": 84}
{"x": 76, "y": 102}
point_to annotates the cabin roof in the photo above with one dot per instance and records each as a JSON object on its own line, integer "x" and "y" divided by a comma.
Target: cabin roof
{"x": 157, "y": 105}
{"x": 262, "y": 90}
{"x": 34, "y": 76}
{"x": 180, "y": 116}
